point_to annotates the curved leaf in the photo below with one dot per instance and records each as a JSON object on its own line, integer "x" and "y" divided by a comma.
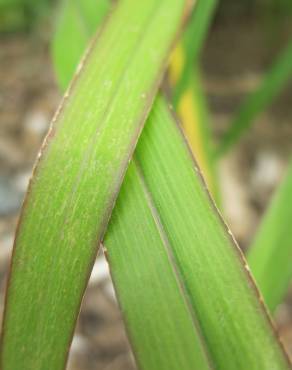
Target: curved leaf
{"x": 234, "y": 325}
{"x": 77, "y": 179}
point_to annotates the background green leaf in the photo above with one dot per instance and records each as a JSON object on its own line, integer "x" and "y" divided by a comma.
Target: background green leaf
{"x": 270, "y": 255}
{"x": 273, "y": 82}
{"x": 81, "y": 19}
{"x": 187, "y": 90}
{"x": 192, "y": 43}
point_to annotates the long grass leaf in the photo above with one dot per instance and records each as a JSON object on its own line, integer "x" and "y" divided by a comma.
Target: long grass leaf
{"x": 189, "y": 51}
{"x": 153, "y": 347}
{"x": 192, "y": 107}
{"x": 273, "y": 82}
{"x": 270, "y": 255}
{"x": 234, "y": 324}
{"x": 142, "y": 258}
{"x": 188, "y": 95}
{"x": 162, "y": 327}
{"x": 193, "y": 112}
{"x": 77, "y": 179}
{"x": 81, "y": 19}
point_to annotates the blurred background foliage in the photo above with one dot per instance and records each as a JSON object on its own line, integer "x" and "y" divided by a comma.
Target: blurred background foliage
{"x": 22, "y": 15}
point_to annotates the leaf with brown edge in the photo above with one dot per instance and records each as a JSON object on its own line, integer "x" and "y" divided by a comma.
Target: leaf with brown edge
{"x": 77, "y": 180}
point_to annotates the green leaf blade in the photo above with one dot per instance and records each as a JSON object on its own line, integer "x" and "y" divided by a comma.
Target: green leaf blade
{"x": 77, "y": 180}
{"x": 161, "y": 327}
{"x": 235, "y": 327}
{"x": 270, "y": 255}
{"x": 81, "y": 19}
{"x": 193, "y": 40}
{"x": 188, "y": 95}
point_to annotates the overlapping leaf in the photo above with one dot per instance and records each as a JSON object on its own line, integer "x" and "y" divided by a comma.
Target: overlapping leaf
{"x": 235, "y": 328}
{"x": 77, "y": 180}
